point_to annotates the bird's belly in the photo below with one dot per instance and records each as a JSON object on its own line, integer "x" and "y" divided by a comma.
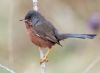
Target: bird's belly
{"x": 39, "y": 41}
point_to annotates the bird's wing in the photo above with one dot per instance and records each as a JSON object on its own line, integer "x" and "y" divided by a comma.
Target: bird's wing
{"x": 45, "y": 30}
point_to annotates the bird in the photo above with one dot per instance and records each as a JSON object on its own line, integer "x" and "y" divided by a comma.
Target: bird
{"x": 43, "y": 33}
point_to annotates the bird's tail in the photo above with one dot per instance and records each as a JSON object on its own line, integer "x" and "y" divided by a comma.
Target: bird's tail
{"x": 82, "y": 36}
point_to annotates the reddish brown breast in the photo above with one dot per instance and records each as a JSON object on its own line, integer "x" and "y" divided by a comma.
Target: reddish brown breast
{"x": 37, "y": 40}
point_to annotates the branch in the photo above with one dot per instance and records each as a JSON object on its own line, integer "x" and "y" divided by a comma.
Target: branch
{"x": 35, "y": 5}
{"x": 43, "y": 65}
{"x": 92, "y": 65}
{"x": 6, "y": 68}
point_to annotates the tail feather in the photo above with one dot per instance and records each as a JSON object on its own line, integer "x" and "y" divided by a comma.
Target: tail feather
{"x": 82, "y": 36}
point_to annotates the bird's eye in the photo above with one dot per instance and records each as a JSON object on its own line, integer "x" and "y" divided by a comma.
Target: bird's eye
{"x": 26, "y": 21}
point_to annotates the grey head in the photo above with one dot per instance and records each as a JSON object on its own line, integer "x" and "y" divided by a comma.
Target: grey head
{"x": 31, "y": 14}
{"x": 35, "y": 17}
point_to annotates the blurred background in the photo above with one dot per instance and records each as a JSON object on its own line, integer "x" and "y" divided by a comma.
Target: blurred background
{"x": 68, "y": 16}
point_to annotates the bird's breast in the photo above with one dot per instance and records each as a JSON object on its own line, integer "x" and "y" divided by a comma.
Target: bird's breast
{"x": 37, "y": 40}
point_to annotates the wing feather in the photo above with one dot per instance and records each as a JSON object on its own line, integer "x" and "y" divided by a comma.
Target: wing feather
{"x": 44, "y": 29}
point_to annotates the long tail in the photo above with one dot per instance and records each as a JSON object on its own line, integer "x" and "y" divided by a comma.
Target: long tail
{"x": 82, "y": 36}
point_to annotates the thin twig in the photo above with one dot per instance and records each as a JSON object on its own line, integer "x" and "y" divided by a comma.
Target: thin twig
{"x": 92, "y": 65}
{"x": 6, "y": 68}
{"x": 35, "y": 5}
{"x": 43, "y": 65}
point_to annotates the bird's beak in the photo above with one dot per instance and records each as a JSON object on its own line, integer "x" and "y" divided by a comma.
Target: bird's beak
{"x": 22, "y": 20}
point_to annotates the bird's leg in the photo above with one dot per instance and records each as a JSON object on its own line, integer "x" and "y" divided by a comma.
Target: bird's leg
{"x": 45, "y": 58}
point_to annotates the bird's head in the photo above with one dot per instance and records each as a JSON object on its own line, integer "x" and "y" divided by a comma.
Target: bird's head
{"x": 30, "y": 14}
{"x": 32, "y": 17}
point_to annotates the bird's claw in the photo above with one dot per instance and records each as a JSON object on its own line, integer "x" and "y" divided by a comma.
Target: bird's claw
{"x": 44, "y": 59}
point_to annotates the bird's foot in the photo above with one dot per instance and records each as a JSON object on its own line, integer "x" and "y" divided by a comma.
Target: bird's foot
{"x": 44, "y": 59}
